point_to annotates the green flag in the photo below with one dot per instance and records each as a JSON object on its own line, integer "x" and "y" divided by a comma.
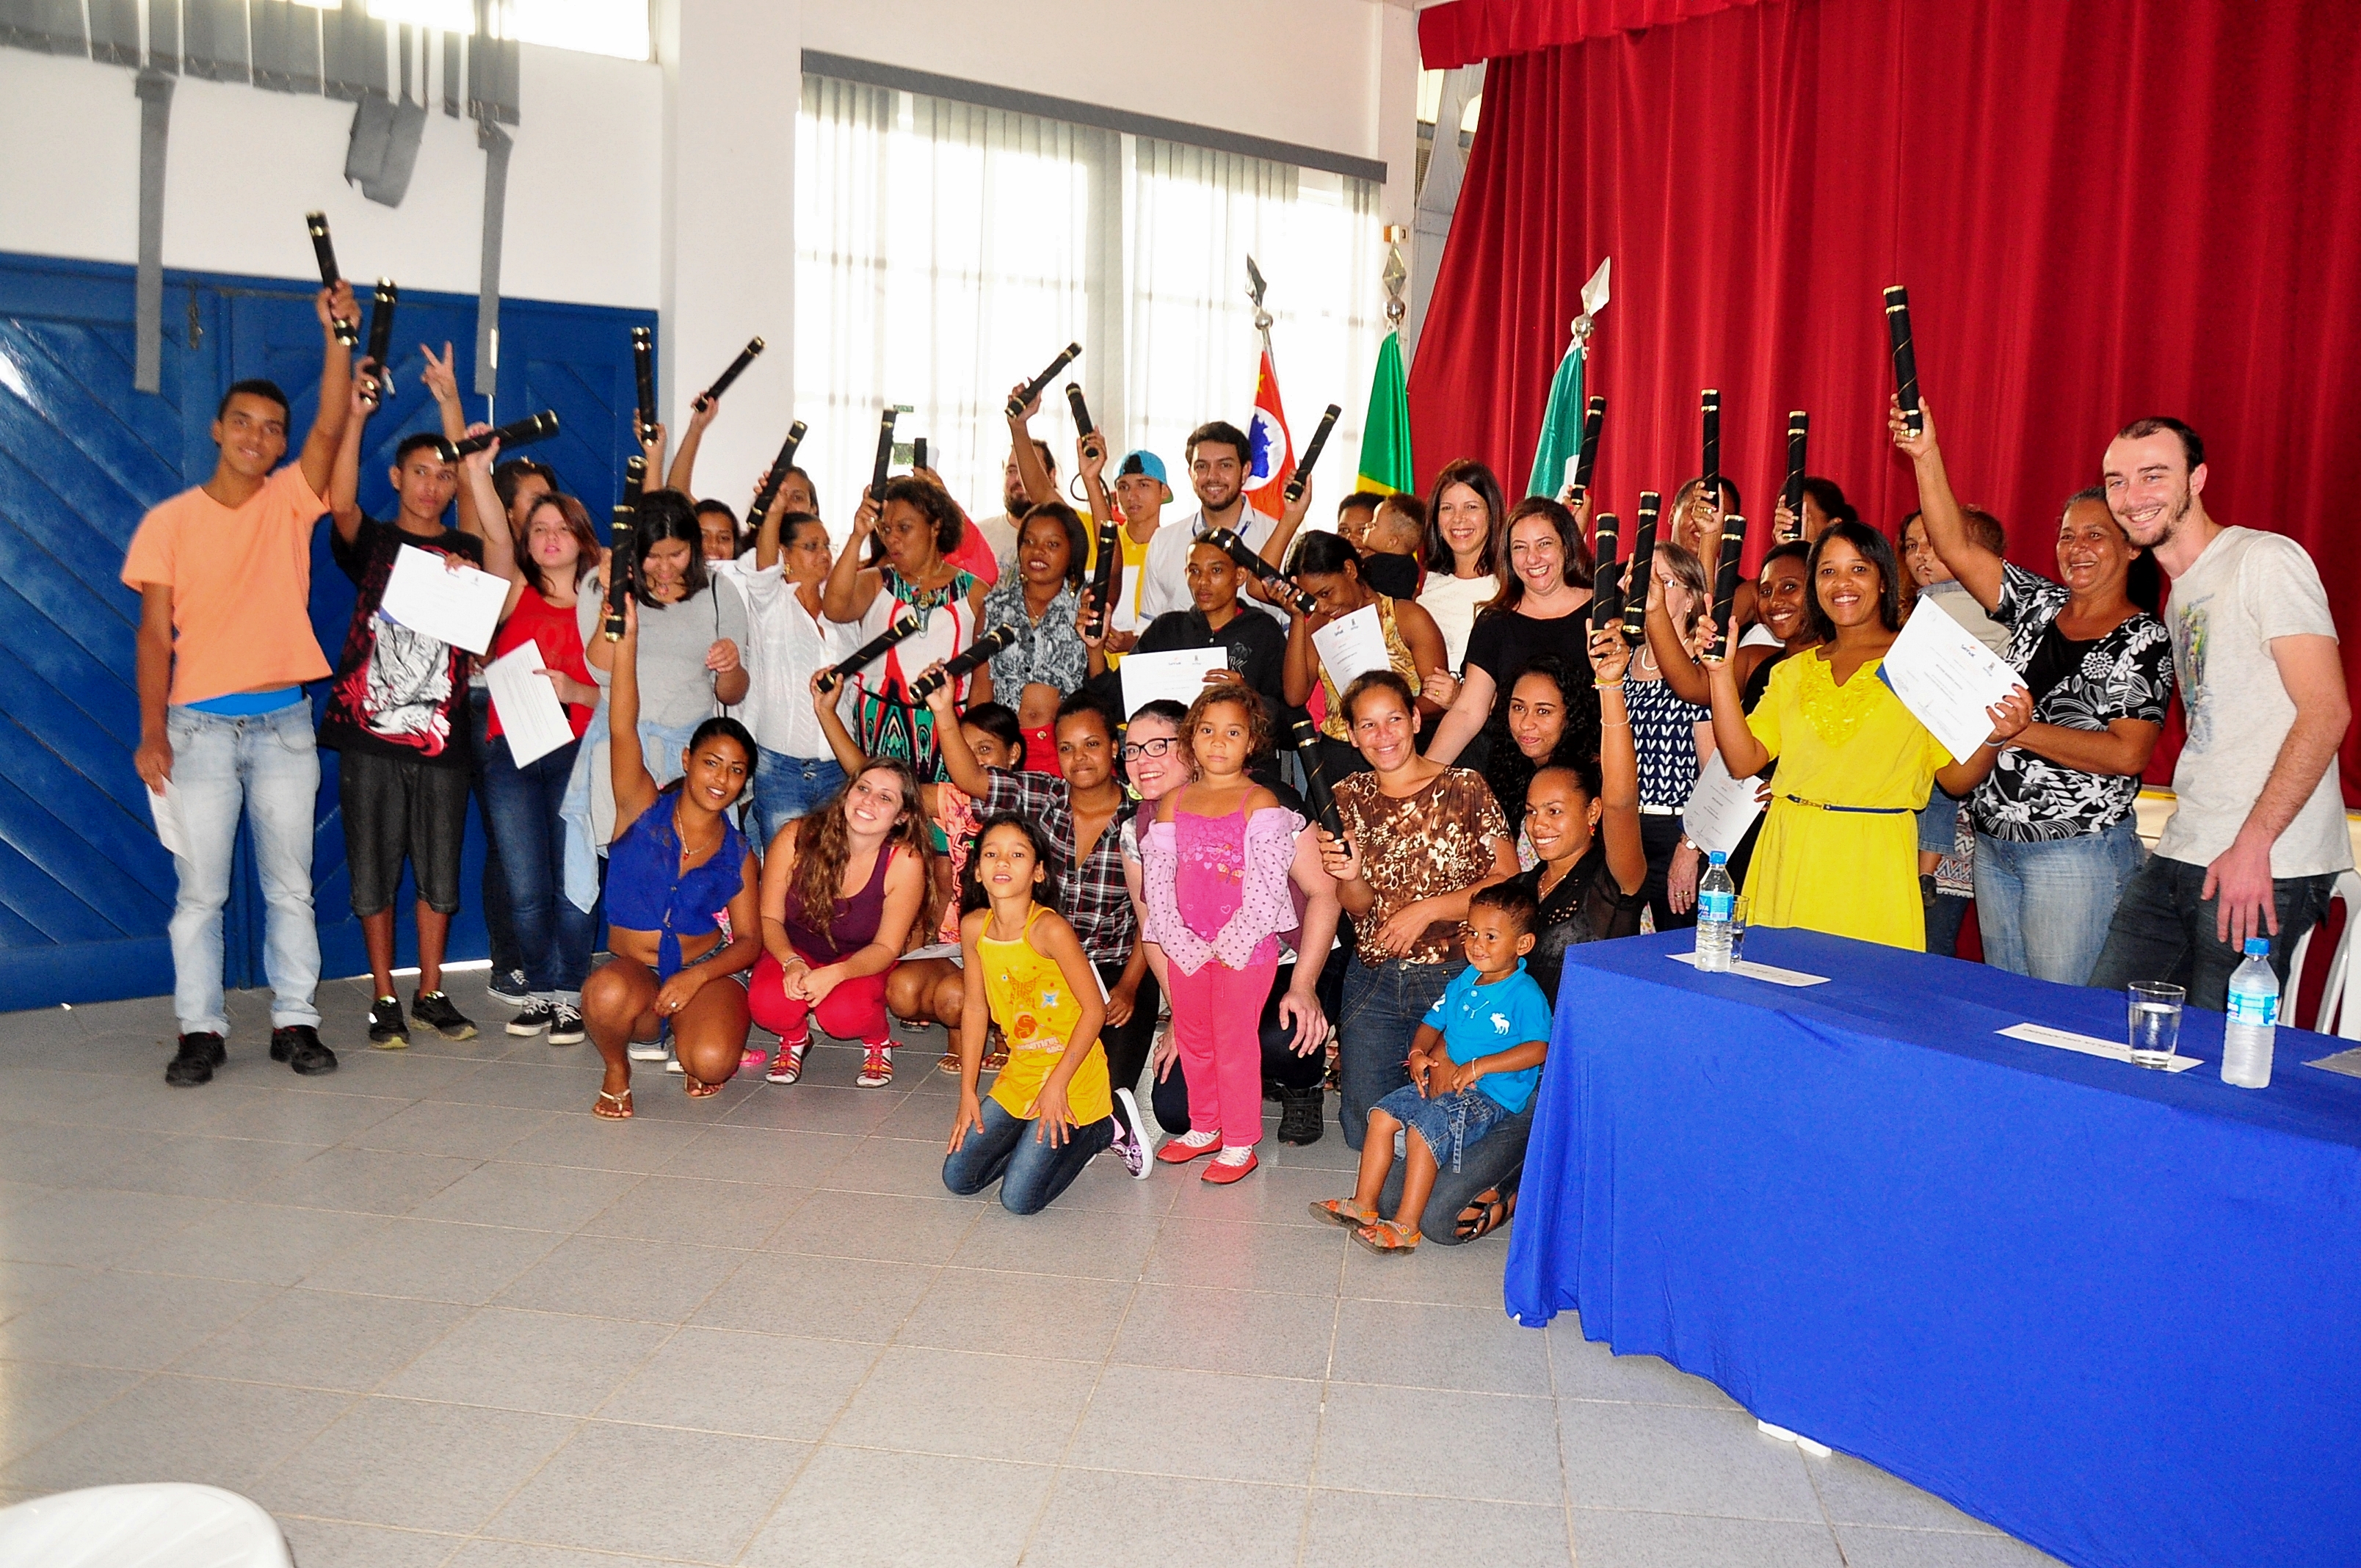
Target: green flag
{"x": 1385, "y": 434}
{"x": 1560, "y": 427}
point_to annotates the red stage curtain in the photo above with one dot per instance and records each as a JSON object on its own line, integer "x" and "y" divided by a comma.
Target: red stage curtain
{"x": 2103, "y": 209}
{"x": 1464, "y": 31}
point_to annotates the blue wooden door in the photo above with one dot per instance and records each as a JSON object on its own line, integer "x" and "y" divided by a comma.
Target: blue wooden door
{"x": 84, "y": 889}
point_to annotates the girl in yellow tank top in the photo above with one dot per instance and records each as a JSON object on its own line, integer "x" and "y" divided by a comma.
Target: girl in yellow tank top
{"x": 1050, "y": 1109}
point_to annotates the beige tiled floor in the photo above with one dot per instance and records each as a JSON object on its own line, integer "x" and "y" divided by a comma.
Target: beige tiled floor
{"x": 433, "y": 1316}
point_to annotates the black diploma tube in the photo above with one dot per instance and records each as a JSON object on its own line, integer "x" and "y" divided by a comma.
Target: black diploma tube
{"x": 1300, "y": 480}
{"x": 1709, "y": 417}
{"x": 973, "y": 657}
{"x": 1635, "y": 575}
{"x": 1317, "y": 792}
{"x": 1594, "y": 416}
{"x": 1725, "y": 583}
{"x": 324, "y": 250}
{"x": 1066, "y": 356}
{"x": 919, "y": 453}
{"x": 1229, "y": 544}
{"x": 885, "y": 454}
{"x": 768, "y": 491}
{"x": 643, "y": 373}
{"x": 623, "y": 555}
{"x": 381, "y": 335}
{"x": 635, "y": 480}
{"x": 1082, "y": 426}
{"x": 1799, "y": 433}
{"x": 1109, "y": 549}
{"x": 1905, "y": 355}
{"x": 536, "y": 427}
{"x": 1607, "y": 579}
{"x": 737, "y": 368}
{"x": 872, "y": 650}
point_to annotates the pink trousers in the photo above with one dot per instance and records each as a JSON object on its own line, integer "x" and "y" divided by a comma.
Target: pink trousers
{"x": 1217, "y": 1024}
{"x": 853, "y": 1011}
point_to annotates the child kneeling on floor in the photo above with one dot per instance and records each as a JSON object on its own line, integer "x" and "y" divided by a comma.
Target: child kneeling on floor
{"x": 1473, "y": 1065}
{"x": 1052, "y": 1109}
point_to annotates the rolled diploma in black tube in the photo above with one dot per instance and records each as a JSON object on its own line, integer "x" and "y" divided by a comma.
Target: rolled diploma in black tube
{"x": 1082, "y": 426}
{"x": 1235, "y": 547}
{"x": 1102, "y": 582}
{"x": 1635, "y": 575}
{"x": 885, "y": 455}
{"x": 1725, "y": 582}
{"x": 622, "y": 552}
{"x": 1905, "y": 355}
{"x": 1066, "y": 356}
{"x": 1300, "y": 480}
{"x": 1607, "y": 579}
{"x": 737, "y": 368}
{"x": 919, "y": 452}
{"x": 635, "y": 479}
{"x": 1585, "y": 458}
{"x": 380, "y": 333}
{"x": 768, "y": 491}
{"x": 973, "y": 657}
{"x": 874, "y": 649}
{"x": 535, "y": 427}
{"x": 324, "y": 250}
{"x": 1316, "y": 788}
{"x": 643, "y": 373}
{"x": 1799, "y": 428}
{"x": 1709, "y": 415}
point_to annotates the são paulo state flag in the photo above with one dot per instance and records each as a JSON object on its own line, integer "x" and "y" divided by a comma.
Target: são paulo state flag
{"x": 1272, "y": 454}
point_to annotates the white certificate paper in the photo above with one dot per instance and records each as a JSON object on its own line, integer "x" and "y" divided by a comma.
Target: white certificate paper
{"x": 165, "y": 805}
{"x": 457, "y": 605}
{"x": 1947, "y": 678}
{"x": 532, "y": 718}
{"x": 1720, "y": 808}
{"x": 1352, "y": 646}
{"x": 1178, "y": 676}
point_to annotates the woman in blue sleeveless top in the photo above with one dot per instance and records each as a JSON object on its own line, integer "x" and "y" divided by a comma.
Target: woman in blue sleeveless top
{"x": 680, "y": 902}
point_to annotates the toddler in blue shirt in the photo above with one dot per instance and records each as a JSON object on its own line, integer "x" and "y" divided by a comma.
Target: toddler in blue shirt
{"x": 1473, "y": 1065}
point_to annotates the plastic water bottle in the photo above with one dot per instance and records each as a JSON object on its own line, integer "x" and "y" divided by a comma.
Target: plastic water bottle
{"x": 1716, "y": 901}
{"x": 2253, "y": 1017}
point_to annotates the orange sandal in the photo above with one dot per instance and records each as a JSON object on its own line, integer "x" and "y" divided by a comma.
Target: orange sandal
{"x": 1388, "y": 1238}
{"x": 1344, "y": 1211}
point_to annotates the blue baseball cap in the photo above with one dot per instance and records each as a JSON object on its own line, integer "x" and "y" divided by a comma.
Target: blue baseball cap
{"x": 1147, "y": 463}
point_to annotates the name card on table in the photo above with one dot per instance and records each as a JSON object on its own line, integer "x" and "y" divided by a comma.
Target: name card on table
{"x": 1770, "y": 973}
{"x": 2088, "y": 1044}
{"x": 2346, "y": 1062}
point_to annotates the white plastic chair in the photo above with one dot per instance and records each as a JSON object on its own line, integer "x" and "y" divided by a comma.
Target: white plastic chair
{"x": 165, "y": 1524}
{"x": 2340, "y": 1006}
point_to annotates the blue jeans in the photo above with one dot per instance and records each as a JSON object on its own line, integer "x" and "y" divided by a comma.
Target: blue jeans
{"x": 1495, "y": 1163}
{"x": 1384, "y": 1006}
{"x": 554, "y": 936}
{"x": 267, "y": 764}
{"x": 1030, "y": 1172}
{"x": 2163, "y": 929}
{"x": 787, "y": 787}
{"x": 500, "y": 927}
{"x": 2043, "y": 908}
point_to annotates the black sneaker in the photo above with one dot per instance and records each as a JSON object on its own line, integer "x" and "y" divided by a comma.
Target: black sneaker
{"x": 298, "y": 1044}
{"x": 388, "y": 1032}
{"x": 534, "y": 1017}
{"x": 194, "y": 1062}
{"x": 433, "y": 1009}
{"x": 510, "y": 988}
{"x": 564, "y": 1025}
{"x": 1299, "y": 1115}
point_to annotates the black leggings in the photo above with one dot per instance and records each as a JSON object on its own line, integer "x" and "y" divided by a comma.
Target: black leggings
{"x": 1281, "y": 1064}
{"x": 1126, "y": 1045}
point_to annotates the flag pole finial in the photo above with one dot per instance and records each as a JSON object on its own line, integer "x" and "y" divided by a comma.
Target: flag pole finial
{"x": 1256, "y": 288}
{"x": 1593, "y": 300}
{"x": 1395, "y": 274}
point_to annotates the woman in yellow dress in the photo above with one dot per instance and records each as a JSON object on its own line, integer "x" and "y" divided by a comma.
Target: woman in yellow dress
{"x": 1840, "y": 846}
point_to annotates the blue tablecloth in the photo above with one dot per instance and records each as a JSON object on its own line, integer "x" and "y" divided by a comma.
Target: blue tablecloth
{"x": 2114, "y": 1312}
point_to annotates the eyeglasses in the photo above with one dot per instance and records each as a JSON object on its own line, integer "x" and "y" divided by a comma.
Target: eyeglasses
{"x": 1134, "y": 750}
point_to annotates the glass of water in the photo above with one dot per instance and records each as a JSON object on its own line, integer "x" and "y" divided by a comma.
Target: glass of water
{"x": 2154, "y": 1022}
{"x": 1738, "y": 907}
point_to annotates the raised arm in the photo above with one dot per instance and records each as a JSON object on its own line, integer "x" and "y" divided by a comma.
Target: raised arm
{"x": 840, "y": 743}
{"x": 1741, "y": 752}
{"x": 1299, "y": 676}
{"x": 319, "y": 455}
{"x": 1681, "y": 672}
{"x": 847, "y": 595}
{"x": 1291, "y": 518}
{"x": 1619, "y": 763}
{"x": 767, "y": 531}
{"x": 1978, "y": 569}
{"x": 683, "y": 462}
{"x": 635, "y": 787}
{"x": 1038, "y": 485}
{"x": 343, "y": 494}
{"x": 1469, "y": 712}
{"x": 959, "y": 757}
{"x": 481, "y": 514}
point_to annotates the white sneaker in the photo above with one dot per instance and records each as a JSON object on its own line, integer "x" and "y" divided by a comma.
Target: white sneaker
{"x": 1130, "y": 1143}
{"x": 672, "y": 1065}
{"x": 645, "y": 1051}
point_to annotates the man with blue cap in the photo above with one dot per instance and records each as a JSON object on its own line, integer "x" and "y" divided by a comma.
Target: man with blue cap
{"x": 1141, "y": 492}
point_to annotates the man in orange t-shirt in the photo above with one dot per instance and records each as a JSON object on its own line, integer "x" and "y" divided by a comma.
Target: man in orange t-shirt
{"x": 224, "y": 579}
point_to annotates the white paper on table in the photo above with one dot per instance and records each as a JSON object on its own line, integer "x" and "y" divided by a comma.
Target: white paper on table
{"x": 457, "y": 605}
{"x": 1770, "y": 972}
{"x": 2346, "y": 1062}
{"x": 1947, "y": 678}
{"x": 1352, "y": 646}
{"x": 2088, "y": 1044}
{"x": 1179, "y": 675}
{"x": 1720, "y": 808}
{"x": 171, "y": 830}
{"x": 532, "y": 718}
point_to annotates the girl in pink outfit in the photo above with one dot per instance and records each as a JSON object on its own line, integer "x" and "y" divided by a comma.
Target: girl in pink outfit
{"x": 1216, "y": 864}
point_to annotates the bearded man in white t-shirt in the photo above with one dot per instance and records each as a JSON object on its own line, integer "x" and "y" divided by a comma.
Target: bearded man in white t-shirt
{"x": 2258, "y": 834}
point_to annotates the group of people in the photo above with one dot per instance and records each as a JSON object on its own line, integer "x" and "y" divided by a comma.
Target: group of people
{"x": 1011, "y": 854}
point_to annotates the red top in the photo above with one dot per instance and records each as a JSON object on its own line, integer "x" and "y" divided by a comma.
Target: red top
{"x": 553, "y": 630}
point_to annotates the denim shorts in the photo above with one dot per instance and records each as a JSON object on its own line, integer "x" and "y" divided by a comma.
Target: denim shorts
{"x": 398, "y": 809}
{"x": 1451, "y": 1123}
